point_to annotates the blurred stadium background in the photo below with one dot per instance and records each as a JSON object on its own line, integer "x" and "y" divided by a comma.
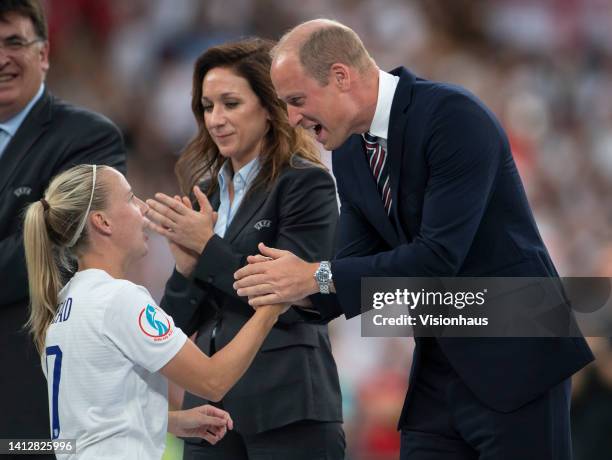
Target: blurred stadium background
{"x": 544, "y": 67}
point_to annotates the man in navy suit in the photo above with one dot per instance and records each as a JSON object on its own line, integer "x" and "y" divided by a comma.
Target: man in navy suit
{"x": 428, "y": 188}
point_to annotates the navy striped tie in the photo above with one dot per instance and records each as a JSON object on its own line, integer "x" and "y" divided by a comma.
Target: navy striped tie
{"x": 377, "y": 157}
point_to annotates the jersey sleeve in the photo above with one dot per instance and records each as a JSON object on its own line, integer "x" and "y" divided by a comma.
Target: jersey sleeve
{"x": 140, "y": 329}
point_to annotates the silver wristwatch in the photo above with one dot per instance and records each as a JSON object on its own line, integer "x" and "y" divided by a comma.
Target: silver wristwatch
{"x": 323, "y": 277}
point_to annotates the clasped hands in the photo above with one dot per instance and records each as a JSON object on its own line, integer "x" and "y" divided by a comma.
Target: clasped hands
{"x": 276, "y": 276}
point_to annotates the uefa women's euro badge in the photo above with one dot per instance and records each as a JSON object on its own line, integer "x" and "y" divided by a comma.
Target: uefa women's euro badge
{"x": 155, "y": 323}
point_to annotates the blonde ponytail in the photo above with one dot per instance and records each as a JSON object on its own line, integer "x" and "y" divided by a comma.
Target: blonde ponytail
{"x": 44, "y": 277}
{"x": 55, "y": 231}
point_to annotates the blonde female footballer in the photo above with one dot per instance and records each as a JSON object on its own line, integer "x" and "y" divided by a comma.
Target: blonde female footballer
{"x": 107, "y": 349}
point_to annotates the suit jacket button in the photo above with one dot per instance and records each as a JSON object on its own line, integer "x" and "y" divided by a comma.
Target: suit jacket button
{"x": 193, "y": 301}
{"x": 210, "y": 279}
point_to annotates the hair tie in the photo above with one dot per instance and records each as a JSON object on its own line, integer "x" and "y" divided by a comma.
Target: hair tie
{"x": 45, "y": 204}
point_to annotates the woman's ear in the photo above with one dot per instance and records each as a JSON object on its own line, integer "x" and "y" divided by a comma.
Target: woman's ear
{"x": 100, "y": 223}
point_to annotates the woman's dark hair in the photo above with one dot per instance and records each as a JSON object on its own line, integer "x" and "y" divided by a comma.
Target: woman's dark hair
{"x": 250, "y": 59}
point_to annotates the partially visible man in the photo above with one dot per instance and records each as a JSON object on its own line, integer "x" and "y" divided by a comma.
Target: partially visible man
{"x": 39, "y": 137}
{"x": 428, "y": 188}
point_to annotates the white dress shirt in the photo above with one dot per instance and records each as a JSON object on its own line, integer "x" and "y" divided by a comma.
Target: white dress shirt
{"x": 10, "y": 127}
{"x": 242, "y": 181}
{"x": 387, "y": 84}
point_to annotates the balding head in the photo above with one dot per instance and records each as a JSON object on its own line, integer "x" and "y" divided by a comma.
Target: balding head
{"x": 327, "y": 79}
{"x": 320, "y": 43}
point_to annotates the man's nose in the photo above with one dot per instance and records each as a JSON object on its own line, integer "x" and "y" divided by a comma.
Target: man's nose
{"x": 295, "y": 117}
{"x": 4, "y": 57}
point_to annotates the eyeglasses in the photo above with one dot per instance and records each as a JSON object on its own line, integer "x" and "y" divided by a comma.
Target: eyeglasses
{"x": 17, "y": 45}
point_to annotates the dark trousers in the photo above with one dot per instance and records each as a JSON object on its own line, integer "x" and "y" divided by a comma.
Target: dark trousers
{"x": 306, "y": 440}
{"x": 24, "y": 410}
{"x": 447, "y": 422}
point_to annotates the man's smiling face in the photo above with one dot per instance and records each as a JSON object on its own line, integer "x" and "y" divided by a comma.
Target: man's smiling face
{"x": 21, "y": 70}
{"x": 309, "y": 104}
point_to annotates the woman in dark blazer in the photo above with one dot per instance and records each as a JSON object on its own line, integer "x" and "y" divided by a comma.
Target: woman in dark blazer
{"x": 263, "y": 182}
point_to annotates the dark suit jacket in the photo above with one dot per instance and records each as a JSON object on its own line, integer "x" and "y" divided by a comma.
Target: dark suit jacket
{"x": 459, "y": 209}
{"x": 294, "y": 376}
{"x": 52, "y": 138}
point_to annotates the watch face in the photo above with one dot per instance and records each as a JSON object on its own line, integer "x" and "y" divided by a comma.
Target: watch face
{"x": 323, "y": 276}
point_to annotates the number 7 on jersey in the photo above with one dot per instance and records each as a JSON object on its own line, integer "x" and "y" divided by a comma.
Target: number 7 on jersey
{"x": 55, "y": 375}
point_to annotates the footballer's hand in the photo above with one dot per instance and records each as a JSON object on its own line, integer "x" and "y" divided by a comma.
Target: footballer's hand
{"x": 206, "y": 422}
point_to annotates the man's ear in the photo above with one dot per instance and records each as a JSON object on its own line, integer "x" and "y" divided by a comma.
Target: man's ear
{"x": 340, "y": 76}
{"x": 44, "y": 56}
{"x": 100, "y": 223}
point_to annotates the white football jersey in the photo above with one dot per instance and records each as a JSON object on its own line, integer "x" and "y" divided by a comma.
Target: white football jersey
{"x": 103, "y": 350}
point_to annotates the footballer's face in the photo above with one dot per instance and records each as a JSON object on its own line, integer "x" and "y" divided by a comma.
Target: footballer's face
{"x": 320, "y": 108}
{"x": 126, "y": 213}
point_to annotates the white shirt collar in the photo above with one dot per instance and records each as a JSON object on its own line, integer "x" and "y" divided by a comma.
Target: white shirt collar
{"x": 12, "y": 125}
{"x": 245, "y": 176}
{"x": 387, "y": 85}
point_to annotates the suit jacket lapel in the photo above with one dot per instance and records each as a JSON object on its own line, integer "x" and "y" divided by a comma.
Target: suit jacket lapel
{"x": 34, "y": 125}
{"x": 398, "y": 120}
{"x": 249, "y": 206}
{"x": 373, "y": 205}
